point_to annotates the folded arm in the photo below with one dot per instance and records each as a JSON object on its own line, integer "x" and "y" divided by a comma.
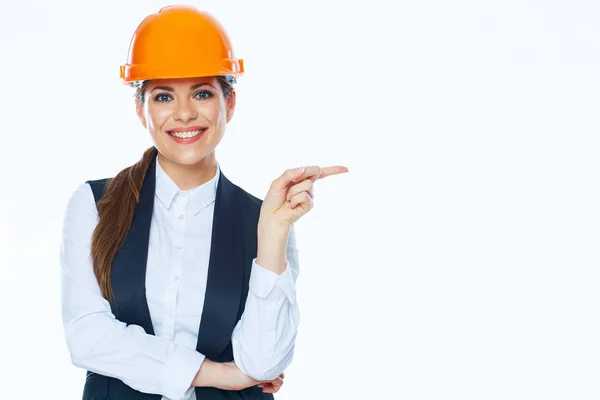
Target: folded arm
{"x": 96, "y": 340}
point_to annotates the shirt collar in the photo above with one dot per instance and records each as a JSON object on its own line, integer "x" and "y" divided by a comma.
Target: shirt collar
{"x": 197, "y": 198}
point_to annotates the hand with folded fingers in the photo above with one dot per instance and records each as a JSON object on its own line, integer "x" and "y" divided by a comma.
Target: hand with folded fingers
{"x": 291, "y": 194}
{"x": 272, "y": 386}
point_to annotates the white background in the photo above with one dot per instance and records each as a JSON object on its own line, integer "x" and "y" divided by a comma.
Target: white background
{"x": 459, "y": 258}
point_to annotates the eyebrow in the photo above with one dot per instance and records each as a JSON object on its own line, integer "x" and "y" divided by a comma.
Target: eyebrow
{"x": 170, "y": 89}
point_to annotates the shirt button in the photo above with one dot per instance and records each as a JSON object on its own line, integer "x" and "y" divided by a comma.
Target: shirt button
{"x": 178, "y": 246}
{"x": 181, "y": 216}
{"x": 176, "y": 278}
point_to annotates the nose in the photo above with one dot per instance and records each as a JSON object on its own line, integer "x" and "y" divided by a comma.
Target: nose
{"x": 184, "y": 110}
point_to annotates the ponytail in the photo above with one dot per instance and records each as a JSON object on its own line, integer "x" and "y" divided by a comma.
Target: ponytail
{"x": 115, "y": 212}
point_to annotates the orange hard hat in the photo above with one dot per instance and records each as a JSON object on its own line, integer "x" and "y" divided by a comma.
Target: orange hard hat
{"x": 180, "y": 42}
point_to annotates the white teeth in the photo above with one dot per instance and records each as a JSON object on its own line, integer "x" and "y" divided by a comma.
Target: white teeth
{"x": 188, "y": 134}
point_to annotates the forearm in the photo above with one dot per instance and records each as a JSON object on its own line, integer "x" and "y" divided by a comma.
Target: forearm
{"x": 264, "y": 338}
{"x": 272, "y": 244}
{"x": 210, "y": 374}
{"x": 225, "y": 376}
{"x": 147, "y": 363}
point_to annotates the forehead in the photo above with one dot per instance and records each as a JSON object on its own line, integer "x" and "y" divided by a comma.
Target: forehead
{"x": 181, "y": 83}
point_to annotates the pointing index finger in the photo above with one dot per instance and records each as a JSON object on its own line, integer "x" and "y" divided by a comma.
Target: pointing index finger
{"x": 333, "y": 170}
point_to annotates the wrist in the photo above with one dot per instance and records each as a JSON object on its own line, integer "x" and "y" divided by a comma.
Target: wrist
{"x": 272, "y": 225}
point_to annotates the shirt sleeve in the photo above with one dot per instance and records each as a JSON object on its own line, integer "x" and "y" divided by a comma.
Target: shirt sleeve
{"x": 264, "y": 338}
{"x": 96, "y": 340}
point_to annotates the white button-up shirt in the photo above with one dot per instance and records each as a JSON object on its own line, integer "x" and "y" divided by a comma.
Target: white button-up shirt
{"x": 176, "y": 276}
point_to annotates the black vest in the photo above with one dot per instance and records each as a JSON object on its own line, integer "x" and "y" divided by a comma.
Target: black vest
{"x": 233, "y": 246}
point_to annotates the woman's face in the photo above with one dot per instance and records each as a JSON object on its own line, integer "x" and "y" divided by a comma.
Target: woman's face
{"x": 186, "y": 117}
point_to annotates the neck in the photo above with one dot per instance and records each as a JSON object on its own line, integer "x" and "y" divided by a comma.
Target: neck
{"x": 190, "y": 176}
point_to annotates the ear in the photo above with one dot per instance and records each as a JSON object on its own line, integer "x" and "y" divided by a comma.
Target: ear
{"x": 139, "y": 109}
{"x": 231, "y": 106}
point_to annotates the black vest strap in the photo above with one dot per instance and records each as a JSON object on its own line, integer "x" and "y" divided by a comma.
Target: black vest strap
{"x": 98, "y": 188}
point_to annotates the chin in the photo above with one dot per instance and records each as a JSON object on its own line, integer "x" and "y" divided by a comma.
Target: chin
{"x": 189, "y": 158}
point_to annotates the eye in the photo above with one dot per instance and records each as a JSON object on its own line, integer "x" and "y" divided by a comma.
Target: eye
{"x": 162, "y": 97}
{"x": 203, "y": 94}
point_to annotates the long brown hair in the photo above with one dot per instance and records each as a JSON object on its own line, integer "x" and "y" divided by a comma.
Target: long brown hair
{"x": 116, "y": 208}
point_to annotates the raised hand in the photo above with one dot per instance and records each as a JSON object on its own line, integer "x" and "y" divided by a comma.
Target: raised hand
{"x": 291, "y": 195}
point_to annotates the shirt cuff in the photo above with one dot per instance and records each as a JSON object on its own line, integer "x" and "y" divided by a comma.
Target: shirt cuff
{"x": 179, "y": 372}
{"x": 262, "y": 282}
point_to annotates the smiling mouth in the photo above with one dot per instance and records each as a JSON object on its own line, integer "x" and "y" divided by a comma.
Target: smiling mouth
{"x": 186, "y": 134}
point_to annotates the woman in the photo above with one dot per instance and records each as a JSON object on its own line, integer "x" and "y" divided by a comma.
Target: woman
{"x": 178, "y": 284}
